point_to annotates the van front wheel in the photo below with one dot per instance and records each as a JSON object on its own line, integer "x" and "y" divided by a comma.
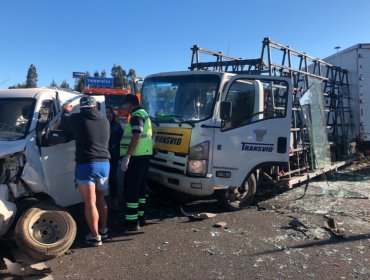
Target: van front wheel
{"x": 45, "y": 231}
{"x": 233, "y": 198}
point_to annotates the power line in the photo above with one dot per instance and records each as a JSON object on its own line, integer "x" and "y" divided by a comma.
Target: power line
{"x": 4, "y": 81}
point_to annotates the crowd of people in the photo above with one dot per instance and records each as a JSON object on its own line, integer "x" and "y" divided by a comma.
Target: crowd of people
{"x": 103, "y": 149}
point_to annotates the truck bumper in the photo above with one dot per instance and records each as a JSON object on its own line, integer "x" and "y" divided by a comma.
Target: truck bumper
{"x": 189, "y": 185}
{"x": 7, "y": 210}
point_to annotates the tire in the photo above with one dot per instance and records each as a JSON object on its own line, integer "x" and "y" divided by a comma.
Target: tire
{"x": 234, "y": 199}
{"x": 45, "y": 231}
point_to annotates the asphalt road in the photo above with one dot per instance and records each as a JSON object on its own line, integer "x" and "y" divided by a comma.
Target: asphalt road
{"x": 257, "y": 244}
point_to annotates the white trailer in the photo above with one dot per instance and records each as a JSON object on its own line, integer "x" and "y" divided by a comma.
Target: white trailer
{"x": 356, "y": 60}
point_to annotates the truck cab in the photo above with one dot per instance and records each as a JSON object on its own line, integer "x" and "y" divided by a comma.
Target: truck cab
{"x": 213, "y": 131}
{"x": 37, "y": 170}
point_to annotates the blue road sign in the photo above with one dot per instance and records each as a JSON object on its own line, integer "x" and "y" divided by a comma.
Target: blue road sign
{"x": 99, "y": 82}
{"x": 79, "y": 74}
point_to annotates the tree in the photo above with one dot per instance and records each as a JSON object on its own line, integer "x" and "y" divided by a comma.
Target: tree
{"x": 31, "y": 77}
{"x": 119, "y": 76}
{"x": 64, "y": 84}
{"x": 53, "y": 84}
{"x": 126, "y": 82}
{"x": 132, "y": 74}
{"x": 132, "y": 80}
{"x": 103, "y": 73}
{"x": 96, "y": 74}
{"x": 18, "y": 86}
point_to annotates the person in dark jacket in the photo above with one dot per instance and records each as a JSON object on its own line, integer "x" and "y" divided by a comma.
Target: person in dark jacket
{"x": 116, "y": 133}
{"x": 91, "y": 132}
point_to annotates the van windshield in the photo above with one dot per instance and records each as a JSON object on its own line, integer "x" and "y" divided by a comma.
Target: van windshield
{"x": 15, "y": 117}
{"x": 180, "y": 98}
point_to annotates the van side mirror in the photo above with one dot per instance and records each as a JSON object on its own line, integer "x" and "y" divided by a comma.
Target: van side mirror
{"x": 55, "y": 137}
{"x": 225, "y": 110}
{"x": 43, "y": 116}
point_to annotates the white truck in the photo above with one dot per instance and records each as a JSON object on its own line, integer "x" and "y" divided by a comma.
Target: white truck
{"x": 37, "y": 170}
{"x": 356, "y": 60}
{"x": 220, "y": 126}
{"x": 194, "y": 152}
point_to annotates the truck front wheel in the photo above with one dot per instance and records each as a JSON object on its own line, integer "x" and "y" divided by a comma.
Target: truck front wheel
{"x": 233, "y": 199}
{"x": 45, "y": 231}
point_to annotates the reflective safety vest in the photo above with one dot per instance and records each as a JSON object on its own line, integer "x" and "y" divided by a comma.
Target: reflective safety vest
{"x": 145, "y": 145}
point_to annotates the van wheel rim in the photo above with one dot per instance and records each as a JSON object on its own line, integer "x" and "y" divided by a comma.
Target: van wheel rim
{"x": 48, "y": 227}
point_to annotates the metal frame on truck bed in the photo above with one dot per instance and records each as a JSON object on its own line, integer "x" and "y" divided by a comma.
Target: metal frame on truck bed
{"x": 282, "y": 61}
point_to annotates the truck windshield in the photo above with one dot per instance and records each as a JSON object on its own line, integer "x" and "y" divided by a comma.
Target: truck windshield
{"x": 186, "y": 98}
{"x": 114, "y": 101}
{"x": 15, "y": 117}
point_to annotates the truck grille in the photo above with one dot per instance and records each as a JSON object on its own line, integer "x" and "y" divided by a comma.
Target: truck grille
{"x": 169, "y": 161}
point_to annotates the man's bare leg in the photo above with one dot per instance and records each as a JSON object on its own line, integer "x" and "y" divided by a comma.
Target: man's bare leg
{"x": 91, "y": 212}
{"x": 102, "y": 208}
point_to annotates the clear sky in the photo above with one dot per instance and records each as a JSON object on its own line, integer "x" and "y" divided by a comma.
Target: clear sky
{"x": 153, "y": 36}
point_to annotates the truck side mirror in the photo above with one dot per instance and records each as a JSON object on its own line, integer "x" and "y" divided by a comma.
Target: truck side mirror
{"x": 225, "y": 110}
{"x": 55, "y": 137}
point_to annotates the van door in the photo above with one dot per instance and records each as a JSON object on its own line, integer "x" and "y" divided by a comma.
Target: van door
{"x": 258, "y": 130}
{"x": 59, "y": 162}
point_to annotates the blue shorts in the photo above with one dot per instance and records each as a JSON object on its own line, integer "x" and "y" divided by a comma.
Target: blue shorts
{"x": 92, "y": 173}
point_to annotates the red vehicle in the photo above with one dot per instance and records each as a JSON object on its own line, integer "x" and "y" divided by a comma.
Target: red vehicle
{"x": 113, "y": 98}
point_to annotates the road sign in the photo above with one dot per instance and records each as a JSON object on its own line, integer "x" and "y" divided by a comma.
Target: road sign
{"x": 99, "y": 82}
{"x": 79, "y": 74}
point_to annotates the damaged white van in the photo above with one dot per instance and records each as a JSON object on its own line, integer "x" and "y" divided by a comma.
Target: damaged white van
{"x": 37, "y": 170}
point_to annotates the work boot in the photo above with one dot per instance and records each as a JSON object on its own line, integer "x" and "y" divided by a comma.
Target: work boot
{"x": 142, "y": 221}
{"x": 128, "y": 228}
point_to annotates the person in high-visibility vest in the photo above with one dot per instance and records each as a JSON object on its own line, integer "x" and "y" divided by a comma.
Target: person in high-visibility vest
{"x": 136, "y": 150}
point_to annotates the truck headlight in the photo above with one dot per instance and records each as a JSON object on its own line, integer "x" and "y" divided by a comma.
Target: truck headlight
{"x": 197, "y": 167}
{"x": 198, "y": 159}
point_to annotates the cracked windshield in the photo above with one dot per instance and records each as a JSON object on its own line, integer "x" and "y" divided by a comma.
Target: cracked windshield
{"x": 180, "y": 98}
{"x": 15, "y": 115}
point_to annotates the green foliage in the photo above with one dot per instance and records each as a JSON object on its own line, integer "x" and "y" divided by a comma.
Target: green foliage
{"x": 132, "y": 74}
{"x": 132, "y": 80}
{"x": 31, "y": 77}
{"x": 96, "y": 74}
{"x": 103, "y": 73}
{"x": 119, "y": 77}
{"x": 53, "y": 84}
{"x": 18, "y": 86}
{"x": 64, "y": 84}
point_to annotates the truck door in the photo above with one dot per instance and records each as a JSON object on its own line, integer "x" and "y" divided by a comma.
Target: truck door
{"x": 258, "y": 130}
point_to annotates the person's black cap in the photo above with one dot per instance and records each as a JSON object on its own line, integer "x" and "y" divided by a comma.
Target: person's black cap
{"x": 130, "y": 98}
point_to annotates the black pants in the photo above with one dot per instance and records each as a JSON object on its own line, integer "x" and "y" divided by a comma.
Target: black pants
{"x": 135, "y": 189}
{"x": 113, "y": 183}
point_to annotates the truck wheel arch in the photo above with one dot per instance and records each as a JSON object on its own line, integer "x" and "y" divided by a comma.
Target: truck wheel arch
{"x": 233, "y": 199}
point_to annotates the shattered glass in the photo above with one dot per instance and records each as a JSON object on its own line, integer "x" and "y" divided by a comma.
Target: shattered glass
{"x": 312, "y": 103}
